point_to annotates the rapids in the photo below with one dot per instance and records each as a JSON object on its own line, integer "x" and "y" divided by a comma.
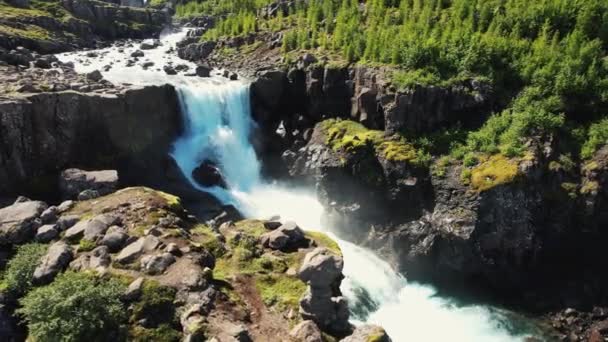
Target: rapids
{"x": 218, "y": 127}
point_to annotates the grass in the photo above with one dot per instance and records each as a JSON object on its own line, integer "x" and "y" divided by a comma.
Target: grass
{"x": 86, "y": 245}
{"x": 495, "y": 171}
{"x": 323, "y": 240}
{"x": 32, "y": 32}
{"x": 281, "y": 291}
{"x": 352, "y": 137}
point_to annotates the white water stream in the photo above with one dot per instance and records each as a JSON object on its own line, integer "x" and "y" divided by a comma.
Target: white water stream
{"x": 218, "y": 127}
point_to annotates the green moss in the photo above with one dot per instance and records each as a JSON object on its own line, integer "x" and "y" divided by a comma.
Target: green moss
{"x": 590, "y": 187}
{"x": 174, "y": 203}
{"x": 251, "y": 227}
{"x": 323, "y": 240}
{"x": 156, "y": 303}
{"x": 351, "y": 137}
{"x": 465, "y": 176}
{"x": 495, "y": 171}
{"x": 86, "y": 245}
{"x": 570, "y": 189}
{"x": 162, "y": 333}
{"x": 439, "y": 168}
{"x": 30, "y": 32}
{"x": 281, "y": 291}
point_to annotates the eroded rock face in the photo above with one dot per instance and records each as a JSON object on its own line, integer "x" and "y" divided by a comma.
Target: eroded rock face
{"x": 18, "y": 222}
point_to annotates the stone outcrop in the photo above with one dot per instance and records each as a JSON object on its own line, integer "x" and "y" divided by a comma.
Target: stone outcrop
{"x": 196, "y": 52}
{"x": 74, "y": 181}
{"x": 43, "y": 134}
{"x": 287, "y": 237}
{"x": 19, "y": 222}
{"x": 366, "y": 333}
{"x": 322, "y": 303}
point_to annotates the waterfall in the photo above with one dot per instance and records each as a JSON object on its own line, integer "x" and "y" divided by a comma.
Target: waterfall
{"x": 218, "y": 127}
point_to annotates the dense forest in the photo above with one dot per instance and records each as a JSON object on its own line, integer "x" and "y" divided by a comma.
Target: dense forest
{"x": 546, "y": 58}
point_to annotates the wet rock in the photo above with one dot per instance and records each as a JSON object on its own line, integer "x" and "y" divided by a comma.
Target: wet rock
{"x": 56, "y": 260}
{"x": 368, "y": 332}
{"x": 149, "y": 44}
{"x": 95, "y": 76}
{"x": 233, "y": 76}
{"x": 46, "y": 233}
{"x": 157, "y": 264}
{"x": 203, "y": 71}
{"x": 147, "y": 65}
{"x": 18, "y": 222}
{"x": 208, "y": 175}
{"x": 306, "y": 331}
{"x": 73, "y": 181}
{"x": 137, "y": 53}
{"x": 169, "y": 70}
{"x": 196, "y": 51}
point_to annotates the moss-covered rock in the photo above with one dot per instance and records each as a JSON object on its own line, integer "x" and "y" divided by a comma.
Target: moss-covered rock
{"x": 495, "y": 171}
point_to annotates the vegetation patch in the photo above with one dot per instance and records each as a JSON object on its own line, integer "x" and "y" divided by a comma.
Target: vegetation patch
{"x": 495, "y": 171}
{"x": 86, "y": 245}
{"x": 155, "y": 304}
{"x": 17, "y": 279}
{"x": 28, "y": 32}
{"x": 282, "y": 291}
{"x": 597, "y": 137}
{"x": 162, "y": 333}
{"x": 349, "y": 136}
{"x": 75, "y": 307}
{"x": 323, "y": 240}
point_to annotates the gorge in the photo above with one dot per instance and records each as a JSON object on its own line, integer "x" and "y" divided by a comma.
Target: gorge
{"x": 229, "y": 182}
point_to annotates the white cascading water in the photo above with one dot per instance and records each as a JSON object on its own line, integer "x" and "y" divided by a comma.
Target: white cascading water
{"x": 218, "y": 129}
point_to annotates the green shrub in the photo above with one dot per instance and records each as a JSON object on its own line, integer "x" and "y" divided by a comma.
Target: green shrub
{"x": 155, "y": 304}
{"x": 75, "y": 307}
{"x": 17, "y": 279}
{"x": 596, "y": 138}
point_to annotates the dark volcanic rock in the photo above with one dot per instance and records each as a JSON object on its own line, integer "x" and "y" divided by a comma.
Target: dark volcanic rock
{"x": 196, "y": 51}
{"x": 73, "y": 182}
{"x": 207, "y": 175}
{"x": 51, "y": 131}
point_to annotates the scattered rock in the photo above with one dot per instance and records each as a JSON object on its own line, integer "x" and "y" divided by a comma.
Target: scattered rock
{"x": 203, "y": 71}
{"x": 134, "y": 250}
{"x": 134, "y": 290}
{"x": 56, "y": 260}
{"x": 67, "y": 221}
{"x": 306, "y": 331}
{"x": 95, "y": 76}
{"x": 46, "y": 233}
{"x": 98, "y": 260}
{"x": 18, "y": 222}
{"x": 49, "y": 215}
{"x": 114, "y": 239}
{"x": 169, "y": 70}
{"x": 149, "y": 44}
{"x": 88, "y": 194}
{"x": 137, "y": 53}
{"x": 65, "y": 206}
{"x": 288, "y": 236}
{"x": 156, "y": 264}
{"x": 368, "y": 332}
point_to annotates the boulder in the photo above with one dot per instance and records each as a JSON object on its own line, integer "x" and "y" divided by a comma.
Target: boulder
{"x": 134, "y": 250}
{"x": 203, "y": 70}
{"x": 114, "y": 239}
{"x": 49, "y": 215}
{"x": 306, "y": 331}
{"x": 287, "y": 237}
{"x": 169, "y": 70}
{"x": 65, "y": 206}
{"x": 368, "y": 332}
{"x": 67, "y": 221}
{"x": 91, "y": 229}
{"x": 321, "y": 268}
{"x": 149, "y": 44}
{"x": 133, "y": 292}
{"x": 73, "y": 181}
{"x": 196, "y": 51}
{"x": 94, "y": 76}
{"x": 137, "y": 53}
{"x": 57, "y": 258}
{"x": 88, "y": 194}
{"x": 46, "y": 233}
{"x": 98, "y": 260}
{"x": 156, "y": 264}
{"x": 18, "y": 222}
{"x": 208, "y": 175}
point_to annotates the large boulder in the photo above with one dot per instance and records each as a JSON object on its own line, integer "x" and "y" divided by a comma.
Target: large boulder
{"x": 208, "y": 175}
{"x": 306, "y": 331}
{"x": 57, "y": 259}
{"x": 74, "y": 181}
{"x": 18, "y": 222}
{"x": 134, "y": 250}
{"x": 197, "y": 51}
{"x": 156, "y": 264}
{"x": 322, "y": 303}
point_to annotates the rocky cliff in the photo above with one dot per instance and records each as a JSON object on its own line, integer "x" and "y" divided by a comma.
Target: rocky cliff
{"x": 46, "y": 132}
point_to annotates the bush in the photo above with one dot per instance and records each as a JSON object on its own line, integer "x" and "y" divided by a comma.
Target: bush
{"x": 20, "y": 269}
{"x": 75, "y": 307}
{"x": 597, "y": 137}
